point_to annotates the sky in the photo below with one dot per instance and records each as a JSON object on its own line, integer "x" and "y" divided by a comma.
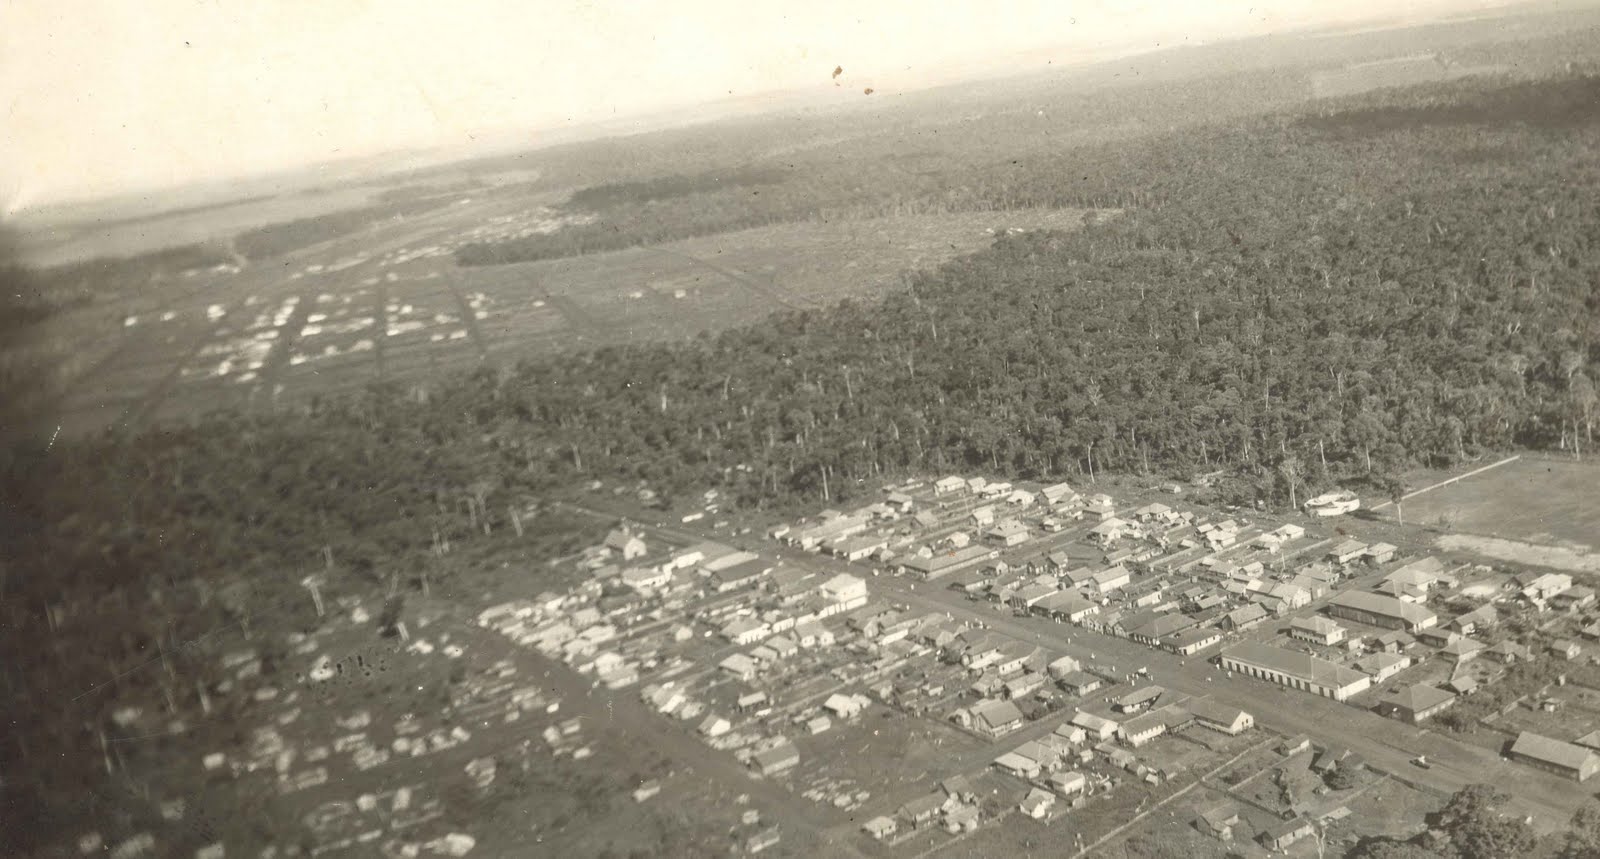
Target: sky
{"x": 104, "y": 97}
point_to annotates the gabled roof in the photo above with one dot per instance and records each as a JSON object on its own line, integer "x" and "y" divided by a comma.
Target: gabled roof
{"x": 1418, "y": 697}
{"x": 1211, "y": 711}
{"x": 1295, "y": 664}
{"x": 1551, "y": 751}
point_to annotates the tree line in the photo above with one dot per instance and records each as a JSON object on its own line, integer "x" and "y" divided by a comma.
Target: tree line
{"x": 1300, "y": 300}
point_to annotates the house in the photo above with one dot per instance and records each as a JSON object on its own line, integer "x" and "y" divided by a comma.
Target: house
{"x": 812, "y": 634}
{"x": 1147, "y": 629}
{"x": 1281, "y": 835}
{"x": 1462, "y": 649}
{"x": 982, "y": 517}
{"x": 1008, "y": 533}
{"x": 1018, "y": 765}
{"x": 1218, "y": 822}
{"x": 1295, "y": 670}
{"x": 1379, "y": 553}
{"x": 782, "y": 646}
{"x": 958, "y": 790}
{"x": 1402, "y": 591}
{"x": 1545, "y": 587}
{"x": 1139, "y": 699}
{"x": 1314, "y": 587}
{"x": 1142, "y": 729}
{"x": 845, "y": 706}
{"x": 1030, "y": 595}
{"x": 949, "y": 485}
{"x": 996, "y": 718}
{"x": 1057, "y": 493}
{"x": 1509, "y": 651}
{"x": 945, "y": 563}
{"x": 1020, "y": 687}
{"x": 1382, "y": 611}
{"x": 880, "y": 827}
{"x": 1098, "y": 727}
{"x": 1037, "y": 803}
{"x": 626, "y": 544}
{"x": 1415, "y": 703}
{"x": 1111, "y": 530}
{"x": 844, "y": 588}
{"x": 740, "y": 666}
{"x": 1317, "y": 630}
{"x": 1067, "y": 607}
{"x": 776, "y": 759}
{"x": 1562, "y": 758}
{"x": 1191, "y": 641}
{"x": 962, "y": 818}
{"x": 1575, "y": 598}
{"x": 1381, "y": 666}
{"x": 745, "y": 630}
{"x": 715, "y": 726}
{"x": 751, "y": 701}
{"x": 1393, "y": 642}
{"x": 1063, "y": 666}
{"x": 1290, "y": 595}
{"x": 1566, "y": 648}
{"x": 1481, "y": 618}
{"x": 1106, "y": 581}
{"x": 1220, "y": 717}
{"x": 1347, "y": 552}
{"x": 646, "y": 578}
{"x": 1068, "y": 783}
{"x": 857, "y": 548}
{"x": 740, "y": 575}
{"x": 1079, "y": 682}
{"x": 921, "y": 810}
{"x": 1245, "y": 617}
{"x": 1102, "y": 507}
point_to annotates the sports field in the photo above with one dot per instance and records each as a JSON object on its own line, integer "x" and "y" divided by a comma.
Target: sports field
{"x": 1550, "y": 502}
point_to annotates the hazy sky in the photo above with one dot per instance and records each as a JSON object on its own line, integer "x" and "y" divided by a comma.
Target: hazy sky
{"x": 105, "y": 96}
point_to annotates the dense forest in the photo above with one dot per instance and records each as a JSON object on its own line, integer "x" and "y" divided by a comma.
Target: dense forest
{"x": 1302, "y": 299}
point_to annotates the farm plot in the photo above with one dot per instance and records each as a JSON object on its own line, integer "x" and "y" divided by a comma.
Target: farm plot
{"x": 391, "y": 303}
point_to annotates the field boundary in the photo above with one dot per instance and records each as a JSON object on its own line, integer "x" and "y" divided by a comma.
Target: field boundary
{"x": 1476, "y": 471}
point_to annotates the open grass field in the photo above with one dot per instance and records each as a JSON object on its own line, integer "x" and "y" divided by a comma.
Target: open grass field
{"x": 390, "y": 303}
{"x": 1546, "y": 501}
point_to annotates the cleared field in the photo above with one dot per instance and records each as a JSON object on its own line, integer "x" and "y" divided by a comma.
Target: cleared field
{"x": 390, "y": 303}
{"x": 1543, "y": 501}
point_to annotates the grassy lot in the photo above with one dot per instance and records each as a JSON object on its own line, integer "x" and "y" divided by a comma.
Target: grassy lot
{"x": 883, "y": 752}
{"x": 1537, "y": 500}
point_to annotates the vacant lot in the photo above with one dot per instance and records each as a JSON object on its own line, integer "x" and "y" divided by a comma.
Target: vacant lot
{"x": 1536, "y": 500}
{"x": 389, "y": 303}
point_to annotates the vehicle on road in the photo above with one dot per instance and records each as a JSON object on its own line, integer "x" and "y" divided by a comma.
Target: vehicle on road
{"x": 1422, "y": 762}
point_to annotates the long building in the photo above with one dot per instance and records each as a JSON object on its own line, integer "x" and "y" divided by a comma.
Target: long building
{"x": 1379, "y": 610}
{"x": 1293, "y": 669}
{"x": 1561, "y": 758}
{"x": 945, "y": 563}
